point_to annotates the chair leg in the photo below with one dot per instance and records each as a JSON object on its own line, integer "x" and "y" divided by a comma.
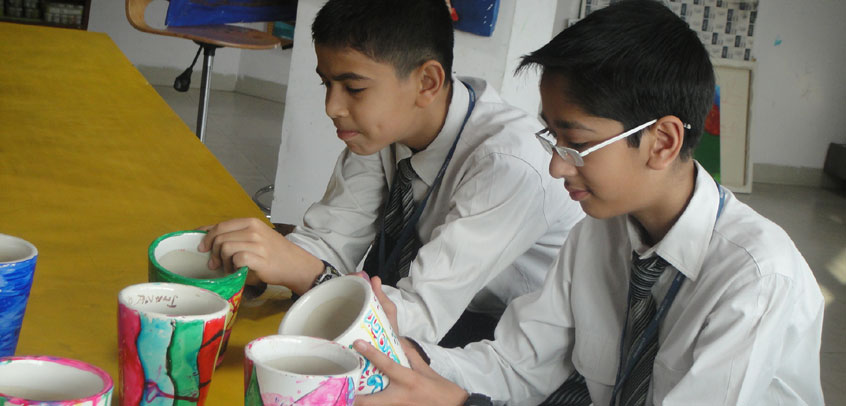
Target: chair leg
{"x": 205, "y": 86}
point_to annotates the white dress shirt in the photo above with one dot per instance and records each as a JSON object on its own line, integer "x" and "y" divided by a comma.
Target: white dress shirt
{"x": 744, "y": 329}
{"x": 490, "y": 232}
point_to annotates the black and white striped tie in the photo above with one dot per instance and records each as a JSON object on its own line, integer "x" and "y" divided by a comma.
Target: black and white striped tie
{"x": 398, "y": 210}
{"x": 644, "y": 274}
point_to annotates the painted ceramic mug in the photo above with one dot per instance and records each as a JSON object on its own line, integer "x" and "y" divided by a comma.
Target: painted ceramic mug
{"x": 17, "y": 267}
{"x": 51, "y": 381}
{"x": 298, "y": 370}
{"x": 174, "y": 258}
{"x": 169, "y": 336}
{"x": 343, "y": 310}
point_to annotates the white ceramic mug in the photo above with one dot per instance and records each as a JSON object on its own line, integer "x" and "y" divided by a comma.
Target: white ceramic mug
{"x": 52, "y": 381}
{"x": 299, "y": 370}
{"x": 343, "y": 310}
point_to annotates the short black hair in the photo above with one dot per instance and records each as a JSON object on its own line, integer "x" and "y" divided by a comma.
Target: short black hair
{"x": 402, "y": 33}
{"x": 632, "y": 62}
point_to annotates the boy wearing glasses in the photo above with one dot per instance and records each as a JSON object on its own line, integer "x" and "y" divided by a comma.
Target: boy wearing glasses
{"x": 440, "y": 176}
{"x": 671, "y": 291}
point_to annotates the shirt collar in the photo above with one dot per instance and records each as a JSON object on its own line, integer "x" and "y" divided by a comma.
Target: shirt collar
{"x": 686, "y": 244}
{"x": 428, "y": 162}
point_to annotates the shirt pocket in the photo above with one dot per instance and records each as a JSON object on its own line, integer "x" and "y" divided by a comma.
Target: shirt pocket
{"x": 596, "y": 355}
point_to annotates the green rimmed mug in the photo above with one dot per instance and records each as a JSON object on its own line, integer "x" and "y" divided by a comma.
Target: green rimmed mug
{"x": 174, "y": 258}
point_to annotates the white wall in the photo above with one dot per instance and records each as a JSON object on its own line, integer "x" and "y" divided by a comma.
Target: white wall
{"x": 798, "y": 89}
{"x": 309, "y": 146}
{"x": 270, "y": 65}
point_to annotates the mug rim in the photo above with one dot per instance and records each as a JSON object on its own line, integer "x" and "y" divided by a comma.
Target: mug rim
{"x": 105, "y": 378}
{"x": 151, "y": 255}
{"x": 353, "y": 357}
{"x": 223, "y": 304}
{"x": 304, "y": 299}
{"x": 33, "y": 251}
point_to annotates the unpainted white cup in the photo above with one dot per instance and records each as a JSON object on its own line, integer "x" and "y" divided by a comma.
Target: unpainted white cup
{"x": 343, "y": 310}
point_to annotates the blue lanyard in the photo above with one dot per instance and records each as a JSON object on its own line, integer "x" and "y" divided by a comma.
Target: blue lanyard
{"x": 638, "y": 346}
{"x": 410, "y": 227}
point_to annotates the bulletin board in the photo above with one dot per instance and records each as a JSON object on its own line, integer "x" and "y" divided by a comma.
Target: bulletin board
{"x": 726, "y": 27}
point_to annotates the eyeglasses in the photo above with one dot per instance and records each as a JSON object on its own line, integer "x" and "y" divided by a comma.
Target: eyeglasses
{"x": 576, "y": 158}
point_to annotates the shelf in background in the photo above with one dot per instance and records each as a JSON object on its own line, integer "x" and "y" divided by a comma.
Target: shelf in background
{"x": 58, "y": 8}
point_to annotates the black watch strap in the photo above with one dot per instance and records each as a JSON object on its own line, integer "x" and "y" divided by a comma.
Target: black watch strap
{"x": 478, "y": 399}
{"x": 329, "y": 272}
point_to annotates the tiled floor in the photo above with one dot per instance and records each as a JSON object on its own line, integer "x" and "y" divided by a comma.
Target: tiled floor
{"x": 244, "y": 133}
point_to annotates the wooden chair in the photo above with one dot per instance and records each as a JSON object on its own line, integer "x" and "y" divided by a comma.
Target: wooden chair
{"x": 209, "y": 37}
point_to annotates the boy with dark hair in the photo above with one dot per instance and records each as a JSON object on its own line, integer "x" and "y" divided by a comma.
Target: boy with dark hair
{"x": 672, "y": 291}
{"x": 440, "y": 176}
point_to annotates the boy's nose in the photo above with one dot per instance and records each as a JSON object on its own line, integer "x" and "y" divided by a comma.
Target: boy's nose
{"x": 335, "y": 108}
{"x": 560, "y": 168}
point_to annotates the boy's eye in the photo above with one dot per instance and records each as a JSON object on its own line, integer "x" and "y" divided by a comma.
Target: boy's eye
{"x": 577, "y": 145}
{"x": 354, "y": 90}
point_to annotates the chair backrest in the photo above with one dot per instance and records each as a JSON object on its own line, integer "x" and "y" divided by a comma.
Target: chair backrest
{"x": 220, "y": 35}
{"x": 135, "y": 14}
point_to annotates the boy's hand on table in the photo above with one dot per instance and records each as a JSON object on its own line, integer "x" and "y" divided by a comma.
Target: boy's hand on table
{"x": 418, "y": 385}
{"x": 270, "y": 257}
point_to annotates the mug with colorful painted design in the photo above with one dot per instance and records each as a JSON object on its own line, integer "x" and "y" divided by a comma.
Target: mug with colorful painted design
{"x": 299, "y": 371}
{"x": 53, "y": 381}
{"x": 169, "y": 336}
{"x": 17, "y": 267}
{"x": 343, "y": 310}
{"x": 174, "y": 258}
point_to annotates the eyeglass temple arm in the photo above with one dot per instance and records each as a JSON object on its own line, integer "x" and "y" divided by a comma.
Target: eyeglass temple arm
{"x": 617, "y": 138}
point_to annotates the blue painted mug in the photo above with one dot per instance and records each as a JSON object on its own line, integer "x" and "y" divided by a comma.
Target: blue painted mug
{"x": 17, "y": 266}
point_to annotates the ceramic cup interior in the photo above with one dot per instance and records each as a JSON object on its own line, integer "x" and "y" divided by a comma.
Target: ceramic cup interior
{"x": 51, "y": 379}
{"x": 173, "y": 300}
{"x": 329, "y": 310}
{"x": 14, "y": 249}
{"x": 306, "y": 356}
{"x": 177, "y": 253}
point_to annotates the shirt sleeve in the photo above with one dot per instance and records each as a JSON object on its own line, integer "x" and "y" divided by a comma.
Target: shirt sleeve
{"x": 744, "y": 343}
{"x": 497, "y": 214}
{"x": 341, "y": 226}
{"x": 531, "y": 354}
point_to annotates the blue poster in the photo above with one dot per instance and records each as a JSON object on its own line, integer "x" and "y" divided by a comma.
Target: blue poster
{"x": 475, "y": 16}
{"x": 209, "y": 12}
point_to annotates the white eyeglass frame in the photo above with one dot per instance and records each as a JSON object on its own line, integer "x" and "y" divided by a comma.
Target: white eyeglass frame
{"x": 576, "y": 158}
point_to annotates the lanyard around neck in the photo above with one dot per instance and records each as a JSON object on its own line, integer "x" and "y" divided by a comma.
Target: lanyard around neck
{"x": 410, "y": 227}
{"x": 650, "y": 331}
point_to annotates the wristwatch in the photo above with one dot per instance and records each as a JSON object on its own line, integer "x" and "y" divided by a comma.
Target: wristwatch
{"x": 478, "y": 399}
{"x": 329, "y": 272}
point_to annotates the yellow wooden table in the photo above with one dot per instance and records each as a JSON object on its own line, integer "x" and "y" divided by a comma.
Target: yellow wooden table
{"x": 94, "y": 166}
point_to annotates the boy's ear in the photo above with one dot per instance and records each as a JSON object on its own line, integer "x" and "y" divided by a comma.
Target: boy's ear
{"x": 667, "y": 138}
{"x": 431, "y": 77}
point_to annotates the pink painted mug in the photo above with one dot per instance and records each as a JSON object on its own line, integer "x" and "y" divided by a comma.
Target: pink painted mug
{"x": 52, "y": 381}
{"x": 299, "y": 371}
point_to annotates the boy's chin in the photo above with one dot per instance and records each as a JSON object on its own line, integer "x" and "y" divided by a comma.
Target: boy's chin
{"x": 364, "y": 149}
{"x": 598, "y": 211}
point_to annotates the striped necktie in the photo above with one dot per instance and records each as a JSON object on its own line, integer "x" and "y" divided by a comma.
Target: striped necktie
{"x": 398, "y": 210}
{"x": 642, "y": 308}
{"x": 644, "y": 274}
